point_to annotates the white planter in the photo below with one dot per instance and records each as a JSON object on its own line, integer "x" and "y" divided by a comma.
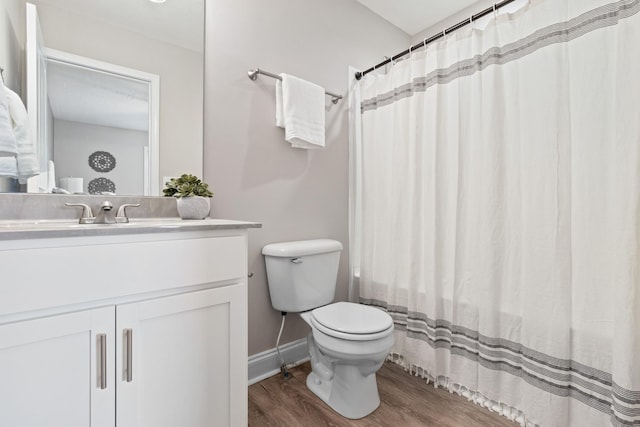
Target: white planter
{"x": 196, "y": 207}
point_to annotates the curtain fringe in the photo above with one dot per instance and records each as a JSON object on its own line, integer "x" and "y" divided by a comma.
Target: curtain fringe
{"x": 441, "y": 381}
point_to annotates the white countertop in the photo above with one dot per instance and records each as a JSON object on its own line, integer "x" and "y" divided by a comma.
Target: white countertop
{"x": 40, "y": 229}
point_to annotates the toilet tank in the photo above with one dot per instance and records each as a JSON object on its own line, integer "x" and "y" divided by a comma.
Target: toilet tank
{"x": 302, "y": 274}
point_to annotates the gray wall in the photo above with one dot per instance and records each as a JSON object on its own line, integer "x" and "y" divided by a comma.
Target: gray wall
{"x": 296, "y": 194}
{"x": 465, "y": 13}
{"x": 75, "y": 142}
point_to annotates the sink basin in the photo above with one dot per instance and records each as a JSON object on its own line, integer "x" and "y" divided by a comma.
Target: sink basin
{"x": 36, "y": 223}
{"x": 34, "y": 228}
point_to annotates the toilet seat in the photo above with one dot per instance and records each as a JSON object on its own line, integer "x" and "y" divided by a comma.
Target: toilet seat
{"x": 353, "y": 322}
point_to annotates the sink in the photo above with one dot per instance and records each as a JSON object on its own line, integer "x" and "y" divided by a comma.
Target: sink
{"x": 37, "y": 223}
{"x": 34, "y": 225}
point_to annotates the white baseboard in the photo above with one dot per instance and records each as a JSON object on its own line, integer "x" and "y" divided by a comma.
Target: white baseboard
{"x": 267, "y": 364}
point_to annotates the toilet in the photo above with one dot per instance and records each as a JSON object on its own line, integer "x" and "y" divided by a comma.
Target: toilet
{"x": 348, "y": 342}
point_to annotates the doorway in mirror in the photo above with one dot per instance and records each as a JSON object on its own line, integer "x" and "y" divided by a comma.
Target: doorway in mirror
{"x": 103, "y": 124}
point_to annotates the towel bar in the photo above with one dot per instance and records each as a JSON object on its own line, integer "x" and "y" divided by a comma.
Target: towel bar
{"x": 253, "y": 75}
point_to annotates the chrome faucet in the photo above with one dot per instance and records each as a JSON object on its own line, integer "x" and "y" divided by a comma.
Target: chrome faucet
{"x": 105, "y": 215}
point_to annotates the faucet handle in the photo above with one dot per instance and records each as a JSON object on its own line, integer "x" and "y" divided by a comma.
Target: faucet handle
{"x": 87, "y": 214}
{"x": 121, "y": 216}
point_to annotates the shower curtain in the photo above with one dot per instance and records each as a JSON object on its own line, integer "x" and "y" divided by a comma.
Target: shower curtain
{"x": 500, "y": 211}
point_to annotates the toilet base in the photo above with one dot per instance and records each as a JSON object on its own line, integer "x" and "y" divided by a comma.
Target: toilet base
{"x": 348, "y": 392}
{"x": 343, "y": 371}
{"x": 348, "y": 388}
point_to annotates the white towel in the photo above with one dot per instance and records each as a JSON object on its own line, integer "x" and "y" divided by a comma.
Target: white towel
{"x": 8, "y": 147}
{"x": 300, "y": 110}
{"x": 28, "y": 163}
{"x": 8, "y": 167}
{"x": 279, "y": 109}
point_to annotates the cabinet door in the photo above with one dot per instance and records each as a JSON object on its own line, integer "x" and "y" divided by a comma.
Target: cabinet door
{"x": 51, "y": 371}
{"x": 182, "y": 360}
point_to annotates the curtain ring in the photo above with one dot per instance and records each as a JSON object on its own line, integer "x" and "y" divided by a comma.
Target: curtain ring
{"x": 444, "y": 33}
{"x": 495, "y": 10}
{"x": 410, "y": 46}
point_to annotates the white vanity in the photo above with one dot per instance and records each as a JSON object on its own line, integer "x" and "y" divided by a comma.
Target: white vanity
{"x": 139, "y": 324}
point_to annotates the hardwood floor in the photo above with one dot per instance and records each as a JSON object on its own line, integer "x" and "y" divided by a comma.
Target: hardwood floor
{"x": 406, "y": 401}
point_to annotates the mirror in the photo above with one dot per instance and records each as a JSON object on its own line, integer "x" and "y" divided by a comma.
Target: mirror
{"x": 102, "y": 130}
{"x": 142, "y": 41}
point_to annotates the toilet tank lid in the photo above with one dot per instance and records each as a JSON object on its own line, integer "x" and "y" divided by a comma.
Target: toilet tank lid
{"x": 302, "y": 248}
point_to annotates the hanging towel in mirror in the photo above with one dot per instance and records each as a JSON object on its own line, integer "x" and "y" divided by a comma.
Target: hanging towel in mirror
{"x": 28, "y": 163}
{"x": 8, "y": 147}
{"x": 8, "y": 167}
{"x": 300, "y": 108}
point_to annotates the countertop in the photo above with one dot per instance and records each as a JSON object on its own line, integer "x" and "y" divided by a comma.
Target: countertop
{"x": 43, "y": 229}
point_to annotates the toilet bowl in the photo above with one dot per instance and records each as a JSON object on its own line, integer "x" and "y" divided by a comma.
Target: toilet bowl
{"x": 344, "y": 361}
{"x": 348, "y": 342}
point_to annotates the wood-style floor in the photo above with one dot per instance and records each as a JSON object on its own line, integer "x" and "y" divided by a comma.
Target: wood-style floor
{"x": 406, "y": 401}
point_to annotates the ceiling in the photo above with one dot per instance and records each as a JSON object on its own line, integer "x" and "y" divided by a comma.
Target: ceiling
{"x": 413, "y": 16}
{"x": 94, "y": 97}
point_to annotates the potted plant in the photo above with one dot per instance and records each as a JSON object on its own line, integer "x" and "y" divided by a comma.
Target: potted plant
{"x": 192, "y": 196}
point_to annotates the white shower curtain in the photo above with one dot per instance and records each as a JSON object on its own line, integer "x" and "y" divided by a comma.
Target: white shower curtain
{"x": 500, "y": 215}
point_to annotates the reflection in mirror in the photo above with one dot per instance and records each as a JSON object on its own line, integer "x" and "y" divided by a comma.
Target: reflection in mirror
{"x": 104, "y": 126}
{"x": 165, "y": 40}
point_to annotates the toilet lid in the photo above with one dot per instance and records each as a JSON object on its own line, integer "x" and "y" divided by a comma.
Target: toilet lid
{"x": 352, "y": 318}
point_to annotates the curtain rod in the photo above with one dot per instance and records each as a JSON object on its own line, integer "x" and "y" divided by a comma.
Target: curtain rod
{"x": 253, "y": 75}
{"x": 435, "y": 37}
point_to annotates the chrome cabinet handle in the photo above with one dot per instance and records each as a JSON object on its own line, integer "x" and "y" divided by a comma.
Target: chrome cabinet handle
{"x": 102, "y": 361}
{"x": 128, "y": 356}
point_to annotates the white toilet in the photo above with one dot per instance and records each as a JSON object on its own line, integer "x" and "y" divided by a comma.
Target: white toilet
{"x": 348, "y": 342}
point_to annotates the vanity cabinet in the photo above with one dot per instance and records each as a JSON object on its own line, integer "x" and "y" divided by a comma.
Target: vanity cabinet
{"x": 49, "y": 374}
{"x": 184, "y": 358}
{"x": 124, "y": 338}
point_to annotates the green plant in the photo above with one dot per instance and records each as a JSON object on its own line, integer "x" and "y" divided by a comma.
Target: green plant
{"x": 186, "y": 186}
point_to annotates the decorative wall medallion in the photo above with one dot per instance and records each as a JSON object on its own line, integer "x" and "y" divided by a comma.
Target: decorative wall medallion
{"x": 99, "y": 185}
{"x": 102, "y": 161}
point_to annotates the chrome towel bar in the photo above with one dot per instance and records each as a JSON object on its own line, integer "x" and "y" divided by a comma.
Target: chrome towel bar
{"x": 253, "y": 75}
